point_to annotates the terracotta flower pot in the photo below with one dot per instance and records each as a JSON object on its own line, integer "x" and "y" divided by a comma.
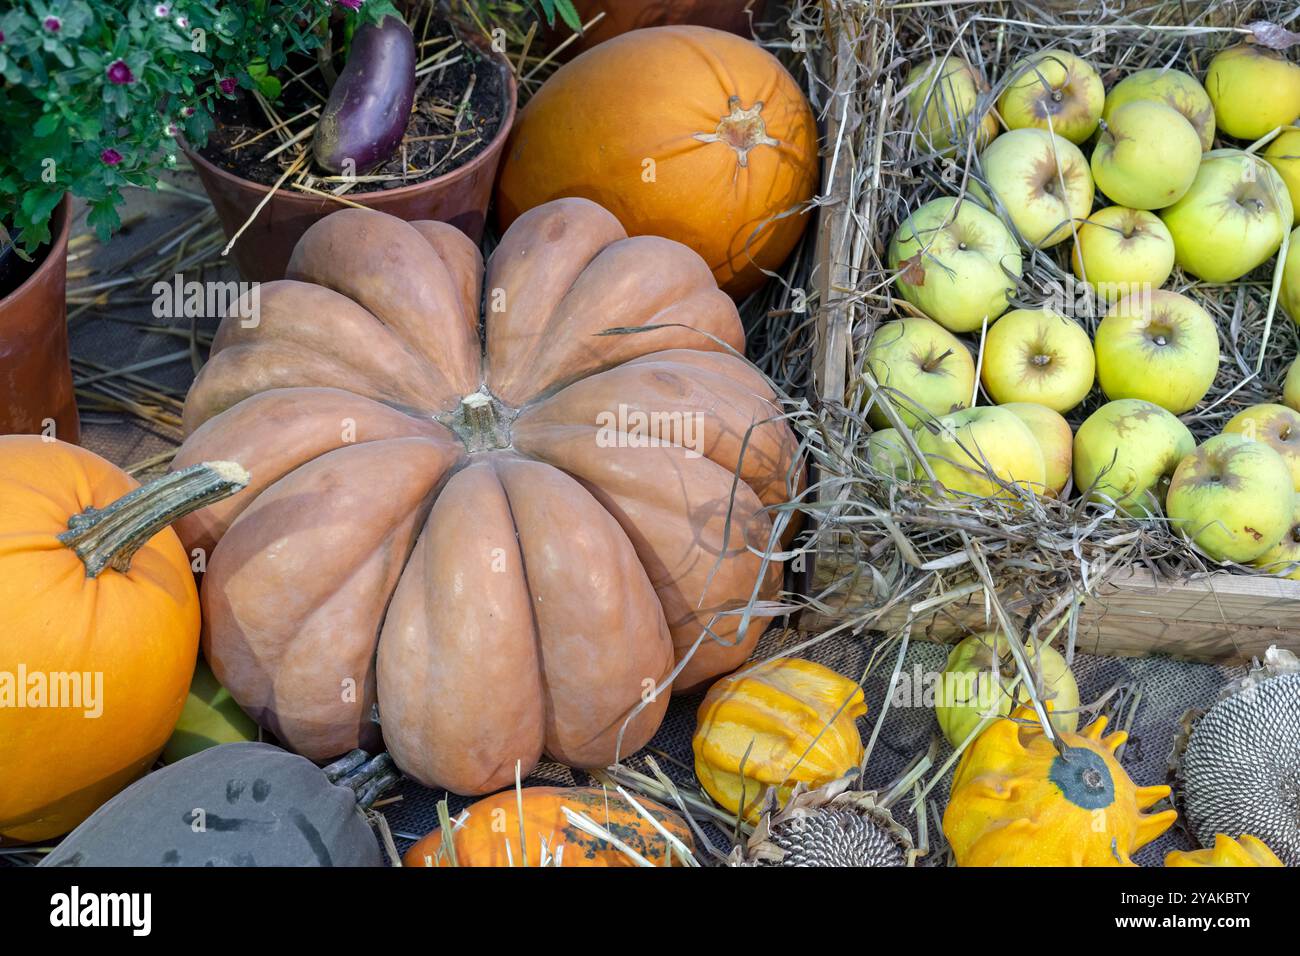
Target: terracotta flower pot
{"x": 35, "y": 375}
{"x": 459, "y": 197}
{"x": 624, "y": 15}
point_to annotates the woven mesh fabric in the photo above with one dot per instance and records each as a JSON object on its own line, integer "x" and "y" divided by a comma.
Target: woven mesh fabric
{"x": 1168, "y": 687}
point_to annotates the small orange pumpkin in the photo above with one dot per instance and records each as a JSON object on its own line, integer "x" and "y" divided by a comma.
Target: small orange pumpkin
{"x": 99, "y": 626}
{"x": 488, "y": 831}
{"x": 685, "y": 132}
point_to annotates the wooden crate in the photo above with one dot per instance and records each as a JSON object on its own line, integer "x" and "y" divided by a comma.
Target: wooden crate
{"x": 1221, "y": 618}
{"x": 1218, "y": 618}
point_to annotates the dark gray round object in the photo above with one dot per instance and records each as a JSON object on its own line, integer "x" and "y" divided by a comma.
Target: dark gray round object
{"x": 1241, "y": 769}
{"x": 243, "y": 804}
{"x": 835, "y": 837}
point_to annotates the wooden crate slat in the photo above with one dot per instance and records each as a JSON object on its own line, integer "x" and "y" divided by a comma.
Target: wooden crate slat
{"x": 1222, "y": 618}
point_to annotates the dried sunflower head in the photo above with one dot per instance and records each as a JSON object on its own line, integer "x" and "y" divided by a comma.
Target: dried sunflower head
{"x": 1238, "y": 764}
{"x": 830, "y": 826}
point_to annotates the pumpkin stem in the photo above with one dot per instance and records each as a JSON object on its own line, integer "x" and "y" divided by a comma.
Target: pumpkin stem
{"x": 365, "y": 776}
{"x": 109, "y": 537}
{"x": 741, "y": 129}
{"x": 482, "y": 423}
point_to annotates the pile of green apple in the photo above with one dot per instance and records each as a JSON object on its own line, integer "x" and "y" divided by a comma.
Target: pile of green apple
{"x": 1153, "y": 195}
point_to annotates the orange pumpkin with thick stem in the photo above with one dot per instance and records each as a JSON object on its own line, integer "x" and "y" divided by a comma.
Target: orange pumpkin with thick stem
{"x": 98, "y": 607}
{"x": 490, "y": 553}
{"x": 488, "y": 831}
{"x": 682, "y": 131}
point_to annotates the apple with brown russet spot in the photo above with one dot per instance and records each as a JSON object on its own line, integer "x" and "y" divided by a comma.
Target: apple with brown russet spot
{"x": 1053, "y": 90}
{"x": 1124, "y": 452}
{"x": 942, "y": 98}
{"x": 1040, "y": 181}
{"x": 1254, "y": 90}
{"x": 1160, "y": 347}
{"x": 1276, "y": 426}
{"x": 1283, "y": 559}
{"x": 1146, "y": 156}
{"x": 1232, "y": 219}
{"x": 1037, "y": 355}
{"x": 956, "y": 262}
{"x": 982, "y": 452}
{"x": 927, "y": 370}
{"x": 1233, "y": 497}
{"x": 1054, "y": 438}
{"x": 1174, "y": 88}
{"x": 1121, "y": 251}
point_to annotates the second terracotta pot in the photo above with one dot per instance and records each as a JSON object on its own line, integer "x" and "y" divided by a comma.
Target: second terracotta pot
{"x": 459, "y": 197}
{"x": 36, "y": 394}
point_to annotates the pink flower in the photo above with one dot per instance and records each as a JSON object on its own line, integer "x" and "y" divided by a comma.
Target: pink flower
{"x": 182, "y": 22}
{"x": 162, "y": 10}
{"x": 53, "y": 24}
{"x": 119, "y": 73}
{"x": 350, "y": 4}
{"x": 111, "y": 157}
{"x": 187, "y": 111}
{"x": 227, "y": 85}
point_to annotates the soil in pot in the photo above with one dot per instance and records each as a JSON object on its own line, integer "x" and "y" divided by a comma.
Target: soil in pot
{"x": 14, "y": 269}
{"x": 458, "y": 110}
{"x": 444, "y": 169}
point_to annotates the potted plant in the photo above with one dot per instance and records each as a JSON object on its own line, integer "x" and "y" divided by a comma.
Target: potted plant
{"x": 400, "y": 110}
{"x": 94, "y": 95}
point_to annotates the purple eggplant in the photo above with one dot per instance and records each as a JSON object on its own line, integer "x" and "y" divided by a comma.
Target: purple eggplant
{"x": 370, "y": 104}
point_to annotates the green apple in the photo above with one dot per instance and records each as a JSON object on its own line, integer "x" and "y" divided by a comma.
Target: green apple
{"x": 942, "y": 100}
{"x": 1036, "y": 355}
{"x": 1232, "y": 219}
{"x": 1172, "y": 87}
{"x": 956, "y": 262}
{"x": 1291, "y": 387}
{"x": 1054, "y": 438}
{"x": 1254, "y": 90}
{"x": 1160, "y": 347}
{"x": 887, "y": 453}
{"x": 1283, "y": 559}
{"x": 928, "y": 370}
{"x": 1233, "y": 497}
{"x": 1283, "y": 154}
{"x": 1289, "y": 294}
{"x": 1040, "y": 181}
{"x": 1146, "y": 156}
{"x": 1121, "y": 251}
{"x": 209, "y": 717}
{"x": 978, "y": 451}
{"x": 1123, "y": 452}
{"x": 976, "y": 683}
{"x": 1053, "y": 90}
{"x": 1276, "y": 426}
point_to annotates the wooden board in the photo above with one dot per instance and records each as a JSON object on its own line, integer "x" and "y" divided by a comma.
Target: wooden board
{"x": 1220, "y": 618}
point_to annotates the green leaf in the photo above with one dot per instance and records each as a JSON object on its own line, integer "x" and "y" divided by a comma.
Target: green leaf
{"x": 46, "y": 125}
{"x": 569, "y": 14}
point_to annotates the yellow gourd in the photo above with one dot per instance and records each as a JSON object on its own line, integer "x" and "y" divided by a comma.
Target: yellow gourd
{"x": 1245, "y": 851}
{"x": 783, "y": 722}
{"x": 1016, "y": 801}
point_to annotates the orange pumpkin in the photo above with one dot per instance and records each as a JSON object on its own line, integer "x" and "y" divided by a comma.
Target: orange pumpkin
{"x": 488, "y": 831}
{"x": 682, "y": 131}
{"x": 99, "y": 626}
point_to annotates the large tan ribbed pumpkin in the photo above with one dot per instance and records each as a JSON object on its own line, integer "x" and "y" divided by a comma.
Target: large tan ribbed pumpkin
{"x": 505, "y": 548}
